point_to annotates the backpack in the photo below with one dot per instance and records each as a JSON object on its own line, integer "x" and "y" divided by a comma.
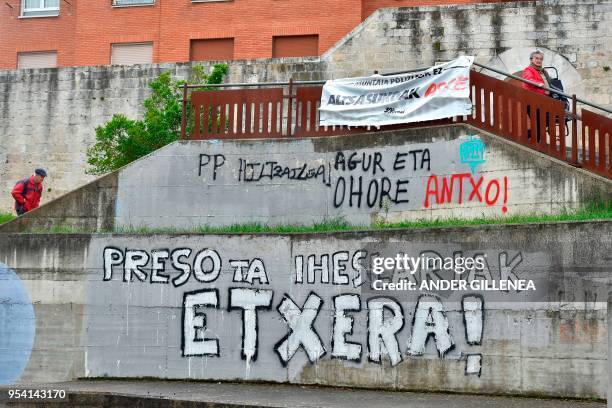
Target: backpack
{"x": 555, "y": 83}
{"x": 18, "y": 207}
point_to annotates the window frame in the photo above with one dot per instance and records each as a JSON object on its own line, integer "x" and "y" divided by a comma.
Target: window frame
{"x": 143, "y": 3}
{"x": 50, "y": 11}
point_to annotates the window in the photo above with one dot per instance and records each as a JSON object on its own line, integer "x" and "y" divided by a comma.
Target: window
{"x": 133, "y": 2}
{"x": 132, "y": 53}
{"x": 295, "y": 46}
{"x": 43, "y": 59}
{"x": 40, "y": 8}
{"x": 213, "y": 49}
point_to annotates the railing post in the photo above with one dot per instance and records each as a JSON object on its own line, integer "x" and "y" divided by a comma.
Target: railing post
{"x": 184, "y": 114}
{"x": 575, "y": 131}
{"x": 290, "y": 107}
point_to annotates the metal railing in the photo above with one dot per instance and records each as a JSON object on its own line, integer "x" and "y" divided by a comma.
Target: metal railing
{"x": 552, "y": 90}
{"x": 290, "y": 109}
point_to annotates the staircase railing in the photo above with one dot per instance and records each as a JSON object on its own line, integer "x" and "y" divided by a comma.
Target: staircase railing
{"x": 583, "y": 139}
{"x": 290, "y": 109}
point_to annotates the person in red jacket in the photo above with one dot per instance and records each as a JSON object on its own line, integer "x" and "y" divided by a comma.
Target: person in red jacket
{"x": 535, "y": 74}
{"x": 27, "y": 192}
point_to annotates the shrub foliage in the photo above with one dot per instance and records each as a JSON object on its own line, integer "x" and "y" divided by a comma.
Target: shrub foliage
{"x": 122, "y": 140}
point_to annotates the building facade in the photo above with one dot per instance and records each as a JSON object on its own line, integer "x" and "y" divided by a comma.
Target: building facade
{"x": 63, "y": 33}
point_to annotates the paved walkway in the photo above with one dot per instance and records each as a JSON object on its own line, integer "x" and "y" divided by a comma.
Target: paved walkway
{"x": 290, "y": 396}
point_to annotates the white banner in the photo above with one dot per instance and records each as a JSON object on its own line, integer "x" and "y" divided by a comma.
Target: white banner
{"x": 438, "y": 92}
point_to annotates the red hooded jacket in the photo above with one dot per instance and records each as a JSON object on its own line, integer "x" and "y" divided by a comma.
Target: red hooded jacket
{"x": 533, "y": 75}
{"x": 31, "y": 199}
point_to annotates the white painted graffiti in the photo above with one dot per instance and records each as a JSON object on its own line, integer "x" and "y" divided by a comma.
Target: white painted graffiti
{"x": 386, "y": 317}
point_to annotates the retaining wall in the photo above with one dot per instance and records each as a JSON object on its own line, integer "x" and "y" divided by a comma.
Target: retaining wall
{"x": 301, "y": 309}
{"x": 435, "y": 172}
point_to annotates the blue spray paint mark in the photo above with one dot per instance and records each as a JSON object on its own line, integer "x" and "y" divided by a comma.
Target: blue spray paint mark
{"x": 472, "y": 152}
{"x": 17, "y": 326}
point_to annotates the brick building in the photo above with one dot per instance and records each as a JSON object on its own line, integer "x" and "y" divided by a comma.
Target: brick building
{"x": 48, "y": 33}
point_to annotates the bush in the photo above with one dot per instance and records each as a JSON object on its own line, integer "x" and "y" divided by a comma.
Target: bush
{"x": 122, "y": 140}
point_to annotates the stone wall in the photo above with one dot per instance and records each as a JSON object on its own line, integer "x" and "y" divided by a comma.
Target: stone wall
{"x": 47, "y": 117}
{"x": 304, "y": 309}
{"x": 574, "y": 35}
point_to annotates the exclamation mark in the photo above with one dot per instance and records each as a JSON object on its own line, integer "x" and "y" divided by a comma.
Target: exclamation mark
{"x": 505, "y": 208}
{"x": 473, "y": 318}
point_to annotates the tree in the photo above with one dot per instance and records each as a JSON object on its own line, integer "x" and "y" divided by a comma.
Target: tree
{"x": 122, "y": 140}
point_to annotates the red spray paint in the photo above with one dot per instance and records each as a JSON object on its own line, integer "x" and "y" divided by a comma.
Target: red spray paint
{"x": 452, "y": 188}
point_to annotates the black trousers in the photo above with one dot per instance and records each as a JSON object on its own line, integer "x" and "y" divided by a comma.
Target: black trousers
{"x": 20, "y": 209}
{"x": 529, "y": 131}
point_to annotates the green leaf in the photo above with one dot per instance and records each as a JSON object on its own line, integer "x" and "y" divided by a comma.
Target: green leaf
{"x": 122, "y": 140}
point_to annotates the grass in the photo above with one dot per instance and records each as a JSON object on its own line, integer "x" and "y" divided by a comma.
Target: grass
{"x": 6, "y": 217}
{"x": 602, "y": 211}
{"x": 595, "y": 212}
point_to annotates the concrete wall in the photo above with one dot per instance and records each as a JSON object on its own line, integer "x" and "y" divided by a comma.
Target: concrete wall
{"x": 123, "y": 306}
{"x": 48, "y": 116}
{"x": 436, "y": 172}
